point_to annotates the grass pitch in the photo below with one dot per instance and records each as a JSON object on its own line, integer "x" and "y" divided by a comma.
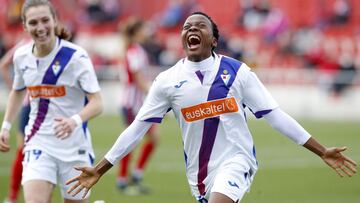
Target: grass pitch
{"x": 288, "y": 173}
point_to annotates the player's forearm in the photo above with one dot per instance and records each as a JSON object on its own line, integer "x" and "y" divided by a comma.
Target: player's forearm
{"x": 93, "y": 108}
{"x": 315, "y": 147}
{"x": 288, "y": 126}
{"x": 103, "y": 166}
{"x": 127, "y": 141}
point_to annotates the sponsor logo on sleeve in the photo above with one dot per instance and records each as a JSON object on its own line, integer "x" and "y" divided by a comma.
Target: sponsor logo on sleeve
{"x": 209, "y": 109}
{"x": 47, "y": 91}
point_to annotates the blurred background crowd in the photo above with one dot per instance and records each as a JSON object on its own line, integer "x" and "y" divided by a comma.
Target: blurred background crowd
{"x": 307, "y": 52}
{"x": 321, "y": 36}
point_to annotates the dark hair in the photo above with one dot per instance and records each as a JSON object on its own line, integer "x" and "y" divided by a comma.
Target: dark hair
{"x": 214, "y": 26}
{"x": 60, "y": 30}
{"x": 132, "y": 26}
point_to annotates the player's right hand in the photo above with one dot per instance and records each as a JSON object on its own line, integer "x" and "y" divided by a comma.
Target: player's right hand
{"x": 64, "y": 127}
{"x": 4, "y": 140}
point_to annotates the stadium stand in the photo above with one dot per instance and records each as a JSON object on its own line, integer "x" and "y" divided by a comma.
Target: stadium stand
{"x": 289, "y": 34}
{"x": 307, "y": 51}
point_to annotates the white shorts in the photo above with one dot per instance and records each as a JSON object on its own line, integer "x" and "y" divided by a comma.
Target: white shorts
{"x": 233, "y": 179}
{"x": 38, "y": 165}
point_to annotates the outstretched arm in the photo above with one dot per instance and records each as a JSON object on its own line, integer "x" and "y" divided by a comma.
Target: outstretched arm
{"x": 285, "y": 124}
{"x": 89, "y": 176}
{"x": 342, "y": 164}
{"x": 128, "y": 139}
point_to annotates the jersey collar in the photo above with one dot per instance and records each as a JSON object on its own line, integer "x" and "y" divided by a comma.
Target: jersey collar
{"x": 53, "y": 52}
{"x": 202, "y": 65}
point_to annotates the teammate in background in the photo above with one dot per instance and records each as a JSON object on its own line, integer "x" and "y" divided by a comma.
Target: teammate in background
{"x": 64, "y": 95}
{"x": 16, "y": 169}
{"x": 208, "y": 93}
{"x": 135, "y": 88}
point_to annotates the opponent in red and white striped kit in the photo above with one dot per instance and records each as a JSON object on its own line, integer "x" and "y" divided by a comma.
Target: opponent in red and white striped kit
{"x": 134, "y": 91}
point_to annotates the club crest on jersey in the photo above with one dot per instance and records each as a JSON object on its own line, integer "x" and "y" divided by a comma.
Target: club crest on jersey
{"x": 225, "y": 77}
{"x": 56, "y": 67}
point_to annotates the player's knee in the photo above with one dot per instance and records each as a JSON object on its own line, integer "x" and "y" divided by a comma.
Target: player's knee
{"x": 36, "y": 199}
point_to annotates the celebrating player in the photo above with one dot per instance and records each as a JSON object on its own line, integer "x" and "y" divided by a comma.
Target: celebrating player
{"x": 64, "y": 95}
{"x": 208, "y": 94}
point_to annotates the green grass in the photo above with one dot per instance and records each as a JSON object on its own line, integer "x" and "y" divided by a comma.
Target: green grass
{"x": 288, "y": 173}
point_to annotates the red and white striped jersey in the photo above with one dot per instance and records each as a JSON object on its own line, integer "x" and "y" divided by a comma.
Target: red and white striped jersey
{"x": 136, "y": 60}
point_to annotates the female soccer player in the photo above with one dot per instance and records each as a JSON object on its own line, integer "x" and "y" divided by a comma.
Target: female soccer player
{"x": 64, "y": 95}
{"x": 135, "y": 88}
{"x": 208, "y": 93}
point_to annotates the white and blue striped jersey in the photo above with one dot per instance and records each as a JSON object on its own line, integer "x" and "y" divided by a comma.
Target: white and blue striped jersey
{"x": 57, "y": 84}
{"x": 209, "y": 99}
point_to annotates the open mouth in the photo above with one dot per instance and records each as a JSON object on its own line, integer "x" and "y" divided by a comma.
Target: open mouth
{"x": 193, "y": 42}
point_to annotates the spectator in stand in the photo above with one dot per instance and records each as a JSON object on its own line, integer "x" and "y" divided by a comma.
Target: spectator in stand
{"x": 253, "y": 13}
{"x": 324, "y": 58}
{"x": 274, "y": 25}
{"x": 341, "y": 12}
{"x": 345, "y": 76}
{"x": 102, "y": 11}
{"x": 152, "y": 44}
{"x": 176, "y": 12}
{"x": 136, "y": 86}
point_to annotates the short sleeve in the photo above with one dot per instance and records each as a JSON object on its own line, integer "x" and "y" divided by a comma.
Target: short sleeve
{"x": 255, "y": 96}
{"x": 87, "y": 78}
{"x": 156, "y": 104}
{"x": 18, "y": 82}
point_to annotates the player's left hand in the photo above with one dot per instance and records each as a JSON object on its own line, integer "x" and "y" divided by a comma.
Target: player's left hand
{"x": 342, "y": 164}
{"x": 64, "y": 127}
{"x": 85, "y": 180}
